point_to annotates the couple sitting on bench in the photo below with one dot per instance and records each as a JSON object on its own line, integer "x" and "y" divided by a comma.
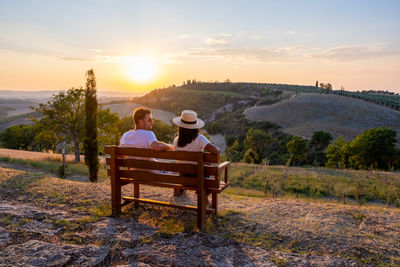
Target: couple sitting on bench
{"x": 188, "y": 139}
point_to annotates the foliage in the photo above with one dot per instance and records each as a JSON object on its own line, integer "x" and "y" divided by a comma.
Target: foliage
{"x": 18, "y": 137}
{"x": 326, "y": 86}
{"x": 164, "y": 132}
{"x": 335, "y": 154}
{"x": 374, "y": 148}
{"x": 45, "y": 140}
{"x": 316, "y": 148}
{"x": 64, "y": 114}
{"x": 109, "y": 132}
{"x": 297, "y": 147}
{"x": 90, "y": 139}
{"x": 255, "y": 143}
{"x": 235, "y": 152}
{"x": 384, "y": 98}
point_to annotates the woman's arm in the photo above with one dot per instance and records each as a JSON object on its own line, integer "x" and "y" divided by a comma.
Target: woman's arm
{"x": 212, "y": 148}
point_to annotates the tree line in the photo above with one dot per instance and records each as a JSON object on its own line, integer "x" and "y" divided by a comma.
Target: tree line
{"x": 373, "y": 149}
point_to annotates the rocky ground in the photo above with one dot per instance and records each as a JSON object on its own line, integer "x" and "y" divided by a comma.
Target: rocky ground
{"x": 47, "y": 221}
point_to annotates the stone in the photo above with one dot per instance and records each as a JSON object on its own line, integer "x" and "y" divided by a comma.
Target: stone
{"x": 4, "y": 236}
{"x": 42, "y": 228}
{"x": 111, "y": 229}
{"x": 39, "y": 253}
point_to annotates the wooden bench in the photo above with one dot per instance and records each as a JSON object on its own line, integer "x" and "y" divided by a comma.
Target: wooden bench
{"x": 203, "y": 174}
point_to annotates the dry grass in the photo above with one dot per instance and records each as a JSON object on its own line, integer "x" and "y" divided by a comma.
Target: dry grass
{"x": 22, "y": 154}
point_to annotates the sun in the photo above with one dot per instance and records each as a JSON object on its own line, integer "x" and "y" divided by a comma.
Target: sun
{"x": 142, "y": 70}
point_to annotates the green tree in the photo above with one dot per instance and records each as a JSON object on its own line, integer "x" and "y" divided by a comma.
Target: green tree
{"x": 297, "y": 147}
{"x": 45, "y": 140}
{"x": 250, "y": 156}
{"x": 335, "y": 153}
{"x": 108, "y": 128}
{"x": 316, "y": 149}
{"x": 235, "y": 151}
{"x": 90, "y": 141}
{"x": 163, "y": 131}
{"x": 255, "y": 144}
{"x": 18, "y": 137}
{"x": 64, "y": 114}
{"x": 374, "y": 148}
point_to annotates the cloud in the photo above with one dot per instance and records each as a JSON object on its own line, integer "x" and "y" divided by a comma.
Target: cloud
{"x": 283, "y": 54}
{"x": 354, "y": 53}
{"x": 226, "y": 34}
{"x": 66, "y": 58}
{"x": 96, "y": 50}
{"x": 216, "y": 41}
{"x": 290, "y": 32}
{"x": 184, "y": 36}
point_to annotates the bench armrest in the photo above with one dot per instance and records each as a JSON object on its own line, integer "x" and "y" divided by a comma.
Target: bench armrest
{"x": 221, "y": 166}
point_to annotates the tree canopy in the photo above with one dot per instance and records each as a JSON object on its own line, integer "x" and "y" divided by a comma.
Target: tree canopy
{"x": 373, "y": 149}
{"x": 64, "y": 114}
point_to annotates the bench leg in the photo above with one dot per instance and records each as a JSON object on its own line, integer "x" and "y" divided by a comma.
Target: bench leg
{"x": 215, "y": 202}
{"x": 201, "y": 209}
{"x": 136, "y": 194}
{"x": 115, "y": 197}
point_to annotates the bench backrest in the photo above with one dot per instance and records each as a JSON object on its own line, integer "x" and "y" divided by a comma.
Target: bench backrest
{"x": 163, "y": 166}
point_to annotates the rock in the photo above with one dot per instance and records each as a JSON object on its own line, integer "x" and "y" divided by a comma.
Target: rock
{"x": 40, "y": 228}
{"x": 195, "y": 249}
{"x": 4, "y": 236}
{"x": 39, "y": 253}
{"x": 26, "y": 211}
{"x": 126, "y": 231}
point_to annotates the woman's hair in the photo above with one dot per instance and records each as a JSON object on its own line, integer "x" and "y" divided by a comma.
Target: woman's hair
{"x": 186, "y": 136}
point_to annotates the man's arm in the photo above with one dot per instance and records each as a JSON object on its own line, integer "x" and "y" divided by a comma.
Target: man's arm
{"x": 212, "y": 148}
{"x": 161, "y": 146}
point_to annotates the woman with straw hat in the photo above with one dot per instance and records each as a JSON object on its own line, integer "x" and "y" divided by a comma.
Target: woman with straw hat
{"x": 189, "y": 137}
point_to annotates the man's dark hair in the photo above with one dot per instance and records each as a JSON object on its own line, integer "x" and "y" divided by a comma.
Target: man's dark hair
{"x": 139, "y": 114}
{"x": 186, "y": 136}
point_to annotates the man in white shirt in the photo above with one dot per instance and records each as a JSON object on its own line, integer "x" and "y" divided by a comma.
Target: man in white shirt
{"x": 142, "y": 136}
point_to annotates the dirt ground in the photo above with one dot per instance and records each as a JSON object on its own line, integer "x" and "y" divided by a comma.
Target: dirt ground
{"x": 67, "y": 218}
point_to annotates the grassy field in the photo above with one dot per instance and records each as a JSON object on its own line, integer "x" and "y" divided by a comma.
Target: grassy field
{"x": 339, "y": 185}
{"x": 344, "y": 186}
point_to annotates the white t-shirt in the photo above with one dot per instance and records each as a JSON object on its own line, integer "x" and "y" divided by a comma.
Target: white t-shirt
{"x": 196, "y": 145}
{"x": 138, "y": 138}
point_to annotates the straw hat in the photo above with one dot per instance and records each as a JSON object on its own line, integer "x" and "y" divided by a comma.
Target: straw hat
{"x": 188, "y": 120}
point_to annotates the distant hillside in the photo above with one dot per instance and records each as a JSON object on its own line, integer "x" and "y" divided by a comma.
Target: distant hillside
{"x": 14, "y": 107}
{"x": 209, "y": 99}
{"x": 126, "y": 109}
{"x": 339, "y": 115}
{"x": 383, "y": 98}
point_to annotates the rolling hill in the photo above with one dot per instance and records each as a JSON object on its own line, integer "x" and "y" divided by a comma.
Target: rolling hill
{"x": 306, "y": 113}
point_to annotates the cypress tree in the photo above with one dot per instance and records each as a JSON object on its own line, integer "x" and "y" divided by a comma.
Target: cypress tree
{"x": 90, "y": 140}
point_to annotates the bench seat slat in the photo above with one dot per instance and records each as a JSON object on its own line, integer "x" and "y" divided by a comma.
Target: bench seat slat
{"x": 210, "y": 182}
{"x": 139, "y": 175}
{"x": 157, "y": 165}
{"x": 139, "y": 152}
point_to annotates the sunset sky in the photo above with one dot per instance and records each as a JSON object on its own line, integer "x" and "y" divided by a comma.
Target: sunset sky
{"x": 136, "y": 46}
